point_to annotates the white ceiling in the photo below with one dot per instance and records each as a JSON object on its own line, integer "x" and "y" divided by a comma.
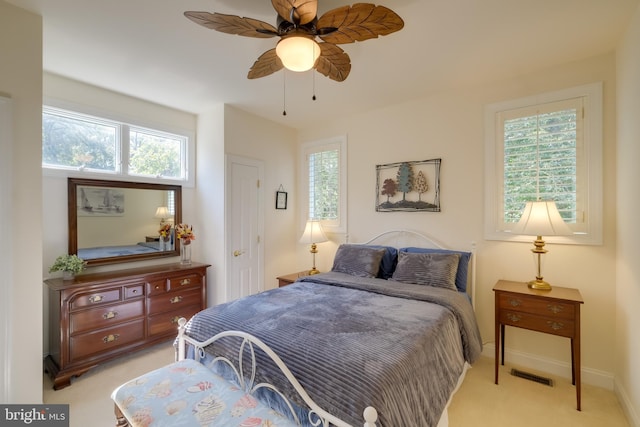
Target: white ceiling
{"x": 148, "y": 49}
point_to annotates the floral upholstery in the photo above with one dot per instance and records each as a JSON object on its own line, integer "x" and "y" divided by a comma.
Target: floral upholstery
{"x": 186, "y": 393}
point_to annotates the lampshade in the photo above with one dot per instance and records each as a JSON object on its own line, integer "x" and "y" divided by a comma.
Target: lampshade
{"x": 541, "y": 218}
{"x": 313, "y": 233}
{"x": 298, "y": 53}
{"x": 162, "y": 212}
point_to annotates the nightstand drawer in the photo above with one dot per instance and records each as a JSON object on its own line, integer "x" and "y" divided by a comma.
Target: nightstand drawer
{"x": 549, "y": 325}
{"x": 535, "y": 305}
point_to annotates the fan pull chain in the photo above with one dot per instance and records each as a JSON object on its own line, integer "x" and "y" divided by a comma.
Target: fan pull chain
{"x": 284, "y": 92}
{"x": 313, "y": 98}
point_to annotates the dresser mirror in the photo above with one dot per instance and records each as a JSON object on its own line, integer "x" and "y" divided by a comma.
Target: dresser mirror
{"x": 117, "y": 221}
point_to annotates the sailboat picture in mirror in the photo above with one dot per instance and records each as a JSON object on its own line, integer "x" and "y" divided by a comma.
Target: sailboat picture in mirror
{"x": 116, "y": 221}
{"x": 100, "y": 201}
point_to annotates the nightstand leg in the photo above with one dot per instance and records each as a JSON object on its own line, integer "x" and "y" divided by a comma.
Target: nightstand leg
{"x": 497, "y": 350}
{"x": 573, "y": 364}
{"x": 502, "y": 342}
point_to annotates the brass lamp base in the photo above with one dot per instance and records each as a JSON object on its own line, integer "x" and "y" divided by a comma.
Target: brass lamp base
{"x": 313, "y": 271}
{"x": 539, "y": 284}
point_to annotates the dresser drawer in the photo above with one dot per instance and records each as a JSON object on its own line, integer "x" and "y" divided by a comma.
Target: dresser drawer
{"x": 102, "y": 341}
{"x": 156, "y": 287}
{"x": 173, "y": 300}
{"x": 167, "y": 323}
{"x": 134, "y": 291}
{"x": 546, "y": 307}
{"x": 105, "y": 316}
{"x": 95, "y": 298}
{"x": 550, "y": 325}
{"x": 187, "y": 281}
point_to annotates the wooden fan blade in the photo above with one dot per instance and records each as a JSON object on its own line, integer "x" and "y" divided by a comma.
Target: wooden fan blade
{"x": 268, "y": 63}
{"x": 306, "y": 10}
{"x": 232, "y": 24}
{"x": 333, "y": 62}
{"x": 359, "y": 22}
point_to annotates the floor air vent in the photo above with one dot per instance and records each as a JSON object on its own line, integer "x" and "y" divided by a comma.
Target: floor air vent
{"x": 532, "y": 377}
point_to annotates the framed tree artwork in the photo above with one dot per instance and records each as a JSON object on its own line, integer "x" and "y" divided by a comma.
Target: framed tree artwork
{"x": 408, "y": 186}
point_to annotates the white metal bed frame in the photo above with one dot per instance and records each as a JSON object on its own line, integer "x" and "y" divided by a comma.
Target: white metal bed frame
{"x": 317, "y": 415}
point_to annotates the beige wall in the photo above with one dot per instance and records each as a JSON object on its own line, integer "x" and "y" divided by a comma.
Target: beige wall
{"x": 450, "y": 125}
{"x": 627, "y": 348}
{"x": 21, "y": 80}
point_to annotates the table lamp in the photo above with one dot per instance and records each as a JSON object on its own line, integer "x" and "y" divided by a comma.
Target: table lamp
{"x": 538, "y": 219}
{"x": 313, "y": 234}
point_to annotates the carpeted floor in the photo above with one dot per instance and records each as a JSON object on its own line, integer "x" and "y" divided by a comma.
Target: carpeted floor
{"x": 479, "y": 402}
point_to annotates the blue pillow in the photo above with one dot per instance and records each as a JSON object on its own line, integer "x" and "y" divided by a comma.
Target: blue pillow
{"x": 463, "y": 265}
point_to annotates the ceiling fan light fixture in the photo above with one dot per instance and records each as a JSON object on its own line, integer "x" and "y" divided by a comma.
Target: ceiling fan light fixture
{"x": 298, "y": 53}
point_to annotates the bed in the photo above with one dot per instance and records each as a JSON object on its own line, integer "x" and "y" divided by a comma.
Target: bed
{"x": 391, "y": 326}
{"x": 111, "y": 251}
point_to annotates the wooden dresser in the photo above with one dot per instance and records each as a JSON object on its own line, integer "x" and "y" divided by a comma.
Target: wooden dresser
{"x": 98, "y": 317}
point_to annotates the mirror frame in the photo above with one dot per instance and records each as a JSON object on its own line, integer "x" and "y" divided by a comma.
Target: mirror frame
{"x": 72, "y": 193}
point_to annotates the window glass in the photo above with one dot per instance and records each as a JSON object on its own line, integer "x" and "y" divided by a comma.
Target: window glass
{"x": 324, "y": 176}
{"x": 79, "y": 142}
{"x": 155, "y": 154}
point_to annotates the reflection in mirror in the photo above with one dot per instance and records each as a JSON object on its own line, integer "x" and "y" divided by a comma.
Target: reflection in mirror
{"x": 116, "y": 221}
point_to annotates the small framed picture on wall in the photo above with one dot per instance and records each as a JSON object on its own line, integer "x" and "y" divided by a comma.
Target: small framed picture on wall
{"x": 281, "y": 200}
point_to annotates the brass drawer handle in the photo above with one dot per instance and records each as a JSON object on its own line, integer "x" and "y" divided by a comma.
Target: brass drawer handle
{"x": 176, "y": 300}
{"x": 514, "y": 317}
{"x": 515, "y": 302}
{"x": 556, "y": 326}
{"x": 110, "y": 338}
{"x": 185, "y": 282}
{"x": 109, "y": 315}
{"x": 555, "y": 308}
{"x": 96, "y": 298}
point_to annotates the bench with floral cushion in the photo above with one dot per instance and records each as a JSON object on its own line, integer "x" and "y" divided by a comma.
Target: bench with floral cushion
{"x": 187, "y": 393}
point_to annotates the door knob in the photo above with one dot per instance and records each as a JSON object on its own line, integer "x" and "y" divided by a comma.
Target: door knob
{"x": 237, "y": 253}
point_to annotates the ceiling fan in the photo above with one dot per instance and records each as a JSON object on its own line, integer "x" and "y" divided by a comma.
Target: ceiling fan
{"x": 298, "y": 26}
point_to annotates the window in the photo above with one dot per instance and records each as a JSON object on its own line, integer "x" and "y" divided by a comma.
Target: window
{"x": 324, "y": 176}
{"x": 546, "y": 148}
{"x": 80, "y": 142}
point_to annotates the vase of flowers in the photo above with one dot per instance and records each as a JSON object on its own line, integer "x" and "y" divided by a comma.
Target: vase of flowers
{"x": 70, "y": 265}
{"x": 165, "y": 236}
{"x": 184, "y": 232}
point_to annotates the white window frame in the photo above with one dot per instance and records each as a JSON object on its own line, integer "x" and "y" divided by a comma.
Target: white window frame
{"x": 339, "y": 142}
{"x": 125, "y": 123}
{"x": 589, "y": 231}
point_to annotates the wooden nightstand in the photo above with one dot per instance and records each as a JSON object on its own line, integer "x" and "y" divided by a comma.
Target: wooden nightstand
{"x": 555, "y": 312}
{"x": 288, "y": 279}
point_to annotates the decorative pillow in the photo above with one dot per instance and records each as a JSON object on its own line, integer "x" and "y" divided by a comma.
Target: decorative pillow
{"x": 358, "y": 260}
{"x": 430, "y": 269}
{"x": 388, "y": 262}
{"x": 463, "y": 265}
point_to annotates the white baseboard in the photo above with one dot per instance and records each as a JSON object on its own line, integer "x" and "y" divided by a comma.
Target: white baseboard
{"x": 554, "y": 367}
{"x": 627, "y": 405}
